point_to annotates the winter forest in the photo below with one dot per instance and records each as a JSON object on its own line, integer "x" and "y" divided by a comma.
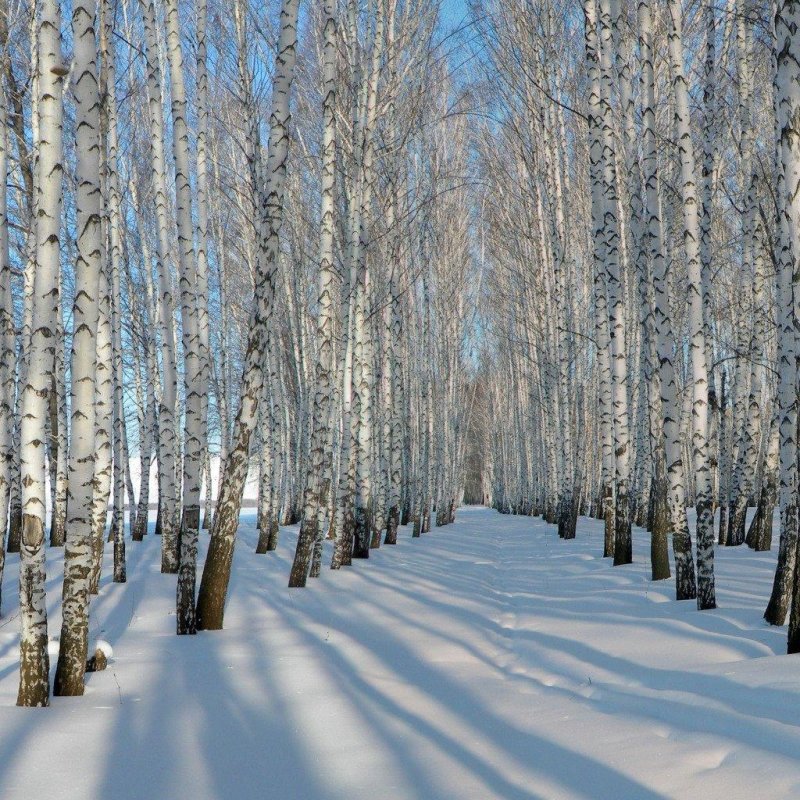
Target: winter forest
{"x": 399, "y": 399}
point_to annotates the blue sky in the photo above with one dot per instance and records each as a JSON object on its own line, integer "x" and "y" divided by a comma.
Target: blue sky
{"x": 453, "y": 11}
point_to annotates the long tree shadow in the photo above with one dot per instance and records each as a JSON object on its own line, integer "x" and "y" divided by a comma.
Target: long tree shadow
{"x": 734, "y": 700}
{"x": 210, "y": 739}
{"x": 531, "y": 753}
{"x": 216, "y": 729}
{"x": 748, "y": 638}
{"x": 196, "y": 736}
{"x": 110, "y": 613}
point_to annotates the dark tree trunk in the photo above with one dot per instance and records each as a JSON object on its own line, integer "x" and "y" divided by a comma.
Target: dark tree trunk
{"x": 659, "y": 528}
{"x": 391, "y": 526}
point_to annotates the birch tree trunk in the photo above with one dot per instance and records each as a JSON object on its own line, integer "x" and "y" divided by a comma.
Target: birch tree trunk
{"x": 685, "y": 583}
{"x": 204, "y": 378}
{"x": 749, "y": 389}
{"x": 320, "y": 464}
{"x": 168, "y": 407}
{"x": 216, "y": 573}
{"x": 103, "y": 399}
{"x": 7, "y": 334}
{"x": 623, "y": 553}
{"x": 78, "y": 547}
{"x": 191, "y": 301}
{"x": 600, "y": 295}
{"x": 115, "y": 222}
{"x": 697, "y": 343}
{"x": 393, "y": 325}
{"x": 787, "y": 112}
{"x": 34, "y": 681}
{"x": 706, "y": 219}
{"x": 364, "y": 395}
{"x": 58, "y": 437}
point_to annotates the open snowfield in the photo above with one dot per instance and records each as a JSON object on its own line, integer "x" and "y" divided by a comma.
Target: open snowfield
{"x": 486, "y": 660}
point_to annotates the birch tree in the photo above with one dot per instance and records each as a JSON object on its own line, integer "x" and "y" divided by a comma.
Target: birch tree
{"x": 787, "y": 111}
{"x": 191, "y": 300}
{"x": 78, "y": 549}
{"x": 7, "y": 333}
{"x": 34, "y": 681}
{"x": 319, "y": 471}
{"x": 167, "y": 442}
{"x": 697, "y": 347}
{"x": 216, "y": 573}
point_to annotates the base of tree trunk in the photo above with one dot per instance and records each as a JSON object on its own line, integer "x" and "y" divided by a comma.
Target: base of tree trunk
{"x": 623, "y": 541}
{"x": 97, "y": 663}
{"x": 608, "y": 517}
{"x": 391, "y": 526}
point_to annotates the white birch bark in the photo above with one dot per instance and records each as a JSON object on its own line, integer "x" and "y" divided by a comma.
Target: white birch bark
{"x": 363, "y": 372}
{"x": 787, "y": 112}
{"x": 30, "y": 173}
{"x": 685, "y": 583}
{"x": 168, "y": 446}
{"x": 78, "y": 547}
{"x": 216, "y": 573}
{"x": 57, "y": 445}
{"x": 320, "y": 463}
{"x": 612, "y": 242}
{"x": 744, "y": 467}
{"x": 697, "y": 344}
{"x": 706, "y": 218}
{"x": 600, "y": 295}
{"x": 203, "y": 117}
{"x": 7, "y": 334}
{"x": 750, "y": 431}
{"x": 103, "y": 396}
{"x": 115, "y": 223}
{"x": 191, "y": 301}
{"x": 34, "y": 682}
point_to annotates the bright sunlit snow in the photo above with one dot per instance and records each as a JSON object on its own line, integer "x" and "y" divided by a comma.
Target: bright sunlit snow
{"x": 488, "y": 659}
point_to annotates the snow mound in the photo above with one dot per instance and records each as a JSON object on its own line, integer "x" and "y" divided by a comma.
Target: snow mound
{"x": 102, "y": 644}
{"x": 53, "y": 647}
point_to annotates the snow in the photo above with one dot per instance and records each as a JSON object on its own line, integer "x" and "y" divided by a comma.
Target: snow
{"x": 102, "y": 645}
{"x": 488, "y": 659}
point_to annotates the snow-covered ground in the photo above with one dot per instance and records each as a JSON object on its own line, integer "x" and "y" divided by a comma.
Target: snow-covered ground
{"x": 486, "y": 660}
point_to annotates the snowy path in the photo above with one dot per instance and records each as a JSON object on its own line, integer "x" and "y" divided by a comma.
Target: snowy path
{"x": 487, "y": 660}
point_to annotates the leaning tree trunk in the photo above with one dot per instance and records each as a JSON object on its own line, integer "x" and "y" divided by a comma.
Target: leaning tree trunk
{"x": 216, "y": 573}
{"x": 759, "y": 535}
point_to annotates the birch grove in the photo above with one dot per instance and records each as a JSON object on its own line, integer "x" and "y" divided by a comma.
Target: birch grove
{"x": 344, "y": 266}
{"x": 675, "y": 216}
